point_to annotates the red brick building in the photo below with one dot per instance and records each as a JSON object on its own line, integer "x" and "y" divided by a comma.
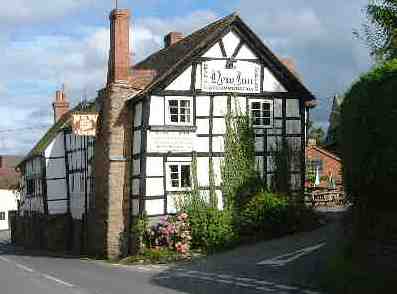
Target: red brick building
{"x": 327, "y": 163}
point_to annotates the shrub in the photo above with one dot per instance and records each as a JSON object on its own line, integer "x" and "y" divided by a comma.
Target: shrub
{"x": 269, "y": 215}
{"x": 263, "y": 215}
{"x": 368, "y": 141}
{"x": 172, "y": 232}
{"x": 154, "y": 256}
{"x": 211, "y": 229}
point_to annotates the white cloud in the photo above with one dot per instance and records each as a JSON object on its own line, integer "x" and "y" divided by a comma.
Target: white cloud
{"x": 39, "y": 64}
{"x": 28, "y": 11}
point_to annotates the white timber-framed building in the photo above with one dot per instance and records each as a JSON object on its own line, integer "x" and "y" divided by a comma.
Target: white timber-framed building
{"x": 154, "y": 117}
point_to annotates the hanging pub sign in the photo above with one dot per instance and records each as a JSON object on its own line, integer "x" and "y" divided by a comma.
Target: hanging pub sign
{"x": 230, "y": 76}
{"x": 84, "y": 124}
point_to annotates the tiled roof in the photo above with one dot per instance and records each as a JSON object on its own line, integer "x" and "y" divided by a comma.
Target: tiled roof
{"x": 8, "y": 178}
{"x": 62, "y": 123}
{"x": 165, "y": 62}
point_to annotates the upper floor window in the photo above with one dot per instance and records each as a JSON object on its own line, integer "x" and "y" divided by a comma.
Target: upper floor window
{"x": 2, "y": 216}
{"x": 179, "y": 176}
{"x": 261, "y": 112}
{"x": 179, "y": 111}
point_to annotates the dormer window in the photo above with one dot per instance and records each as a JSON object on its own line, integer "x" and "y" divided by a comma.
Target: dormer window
{"x": 179, "y": 111}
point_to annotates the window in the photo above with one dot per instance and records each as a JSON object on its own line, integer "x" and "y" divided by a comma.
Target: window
{"x": 2, "y": 216}
{"x": 179, "y": 111}
{"x": 313, "y": 165}
{"x": 261, "y": 112}
{"x": 179, "y": 176}
{"x": 30, "y": 187}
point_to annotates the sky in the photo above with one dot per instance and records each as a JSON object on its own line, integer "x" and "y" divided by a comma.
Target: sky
{"x": 44, "y": 44}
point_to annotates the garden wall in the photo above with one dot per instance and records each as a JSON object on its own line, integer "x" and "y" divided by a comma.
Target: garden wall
{"x": 58, "y": 233}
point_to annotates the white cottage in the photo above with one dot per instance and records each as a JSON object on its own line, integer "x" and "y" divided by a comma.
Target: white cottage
{"x": 153, "y": 117}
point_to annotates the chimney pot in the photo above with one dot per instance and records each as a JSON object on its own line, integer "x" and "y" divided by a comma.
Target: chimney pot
{"x": 172, "y": 38}
{"x": 119, "y": 59}
{"x": 60, "y": 106}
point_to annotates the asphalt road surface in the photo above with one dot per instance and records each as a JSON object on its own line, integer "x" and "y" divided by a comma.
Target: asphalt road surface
{"x": 290, "y": 265}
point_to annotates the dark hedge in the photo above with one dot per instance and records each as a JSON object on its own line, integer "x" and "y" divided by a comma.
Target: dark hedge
{"x": 368, "y": 137}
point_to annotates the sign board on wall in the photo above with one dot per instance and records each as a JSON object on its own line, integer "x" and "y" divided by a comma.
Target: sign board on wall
{"x": 164, "y": 142}
{"x": 231, "y": 76}
{"x": 84, "y": 124}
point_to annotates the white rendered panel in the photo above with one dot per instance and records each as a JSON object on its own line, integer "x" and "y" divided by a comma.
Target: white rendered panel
{"x": 220, "y": 105}
{"x": 219, "y": 126}
{"x": 138, "y": 114}
{"x": 230, "y": 42}
{"x": 217, "y": 144}
{"x": 154, "y": 207}
{"x": 214, "y": 51}
{"x": 183, "y": 81}
{"x": 259, "y": 164}
{"x": 135, "y": 187}
{"x": 56, "y": 189}
{"x": 239, "y": 104}
{"x": 246, "y": 53}
{"x": 203, "y": 106}
{"x": 56, "y": 147}
{"x": 154, "y": 166}
{"x": 135, "y": 206}
{"x": 198, "y": 76}
{"x": 55, "y": 168}
{"x": 203, "y": 126}
{"x": 220, "y": 199}
{"x": 179, "y": 159}
{"x": 154, "y": 186}
{"x": 136, "y": 167}
{"x": 203, "y": 171}
{"x": 292, "y": 107}
{"x": 259, "y": 144}
{"x": 57, "y": 207}
{"x": 217, "y": 164}
{"x": 270, "y": 83}
{"x": 172, "y": 202}
{"x": 278, "y": 107}
{"x": 201, "y": 144}
{"x": 136, "y": 149}
{"x": 156, "y": 117}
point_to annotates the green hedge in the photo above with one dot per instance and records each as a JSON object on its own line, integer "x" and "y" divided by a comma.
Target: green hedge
{"x": 368, "y": 138}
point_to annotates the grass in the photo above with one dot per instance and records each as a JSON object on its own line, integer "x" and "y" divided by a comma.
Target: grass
{"x": 344, "y": 276}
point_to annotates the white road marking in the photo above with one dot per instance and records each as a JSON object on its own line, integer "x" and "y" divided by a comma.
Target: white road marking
{"x": 282, "y": 260}
{"x": 283, "y": 287}
{"x": 4, "y": 259}
{"x": 25, "y": 268}
{"x": 265, "y": 289}
{"x": 58, "y": 281}
{"x": 310, "y": 292}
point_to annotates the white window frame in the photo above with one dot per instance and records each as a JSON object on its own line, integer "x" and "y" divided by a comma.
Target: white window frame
{"x": 168, "y": 114}
{"x": 168, "y": 176}
{"x": 262, "y": 101}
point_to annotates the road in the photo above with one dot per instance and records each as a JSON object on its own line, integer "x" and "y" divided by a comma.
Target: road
{"x": 290, "y": 265}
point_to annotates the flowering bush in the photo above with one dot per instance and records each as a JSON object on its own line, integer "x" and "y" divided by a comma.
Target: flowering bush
{"x": 172, "y": 232}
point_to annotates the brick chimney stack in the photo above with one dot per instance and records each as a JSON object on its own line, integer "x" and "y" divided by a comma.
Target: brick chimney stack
{"x": 119, "y": 58}
{"x": 61, "y": 105}
{"x": 172, "y": 38}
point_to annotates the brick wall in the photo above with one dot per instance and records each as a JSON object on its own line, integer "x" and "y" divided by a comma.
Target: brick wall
{"x": 330, "y": 163}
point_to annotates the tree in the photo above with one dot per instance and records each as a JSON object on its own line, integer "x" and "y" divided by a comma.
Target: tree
{"x": 315, "y": 133}
{"x": 380, "y": 28}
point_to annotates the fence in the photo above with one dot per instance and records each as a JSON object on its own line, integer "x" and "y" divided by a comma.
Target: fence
{"x": 326, "y": 198}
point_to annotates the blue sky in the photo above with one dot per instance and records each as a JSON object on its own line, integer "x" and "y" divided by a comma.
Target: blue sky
{"x": 46, "y": 43}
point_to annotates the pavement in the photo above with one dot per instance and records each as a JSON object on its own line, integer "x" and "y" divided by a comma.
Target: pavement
{"x": 290, "y": 265}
